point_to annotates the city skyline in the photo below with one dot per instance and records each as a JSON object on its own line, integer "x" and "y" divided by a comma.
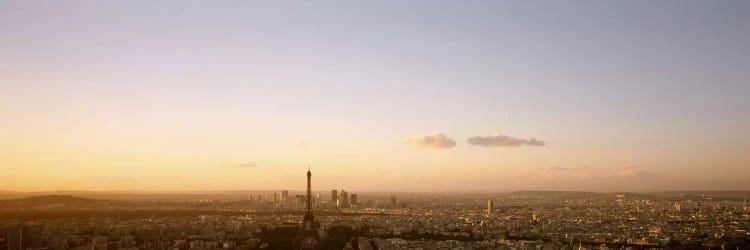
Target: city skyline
{"x": 375, "y": 96}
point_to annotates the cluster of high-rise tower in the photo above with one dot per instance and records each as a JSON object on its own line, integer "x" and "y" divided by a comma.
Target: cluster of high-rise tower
{"x": 339, "y": 199}
{"x": 342, "y": 199}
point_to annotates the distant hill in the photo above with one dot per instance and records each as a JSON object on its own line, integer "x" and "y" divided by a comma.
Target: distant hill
{"x": 670, "y": 195}
{"x": 584, "y": 194}
{"x": 541, "y": 192}
{"x": 737, "y": 195}
{"x": 52, "y": 199}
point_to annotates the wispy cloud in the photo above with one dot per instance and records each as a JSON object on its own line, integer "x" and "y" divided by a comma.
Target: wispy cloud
{"x": 503, "y": 141}
{"x": 437, "y": 140}
{"x": 631, "y": 172}
{"x": 535, "y": 142}
{"x": 240, "y": 165}
{"x": 563, "y": 169}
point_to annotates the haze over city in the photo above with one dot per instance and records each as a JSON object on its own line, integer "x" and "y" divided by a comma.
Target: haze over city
{"x": 375, "y": 95}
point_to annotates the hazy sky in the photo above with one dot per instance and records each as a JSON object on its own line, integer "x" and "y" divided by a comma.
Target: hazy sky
{"x": 375, "y": 95}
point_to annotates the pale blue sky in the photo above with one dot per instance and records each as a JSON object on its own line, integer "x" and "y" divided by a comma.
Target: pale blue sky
{"x": 657, "y": 86}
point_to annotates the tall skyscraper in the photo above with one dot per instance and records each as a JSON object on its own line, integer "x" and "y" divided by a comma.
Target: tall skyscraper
{"x": 13, "y": 239}
{"x": 393, "y": 200}
{"x": 23, "y": 237}
{"x": 353, "y": 199}
{"x": 285, "y": 197}
{"x": 490, "y": 207}
{"x": 275, "y": 197}
{"x": 334, "y": 197}
{"x": 344, "y": 199}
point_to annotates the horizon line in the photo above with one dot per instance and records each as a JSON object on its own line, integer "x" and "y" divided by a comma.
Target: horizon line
{"x": 368, "y": 191}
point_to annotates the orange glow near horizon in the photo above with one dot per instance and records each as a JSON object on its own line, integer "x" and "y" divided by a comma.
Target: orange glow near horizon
{"x": 373, "y": 96}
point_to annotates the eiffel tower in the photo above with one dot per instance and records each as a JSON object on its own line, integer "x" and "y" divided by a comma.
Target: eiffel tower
{"x": 309, "y": 234}
{"x": 308, "y": 222}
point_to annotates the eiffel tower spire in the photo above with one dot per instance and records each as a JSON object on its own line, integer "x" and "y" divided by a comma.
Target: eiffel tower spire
{"x": 308, "y": 221}
{"x": 308, "y": 209}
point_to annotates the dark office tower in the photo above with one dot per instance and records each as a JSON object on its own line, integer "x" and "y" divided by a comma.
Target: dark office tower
{"x": 284, "y": 196}
{"x": 393, "y": 200}
{"x": 14, "y": 239}
{"x": 344, "y": 199}
{"x": 334, "y": 197}
{"x": 490, "y": 207}
{"x": 275, "y": 198}
{"x": 353, "y": 199}
{"x": 22, "y": 237}
{"x": 33, "y": 236}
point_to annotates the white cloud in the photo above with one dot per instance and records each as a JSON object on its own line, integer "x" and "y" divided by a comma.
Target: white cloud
{"x": 503, "y": 141}
{"x": 431, "y": 141}
{"x": 535, "y": 142}
{"x": 630, "y": 172}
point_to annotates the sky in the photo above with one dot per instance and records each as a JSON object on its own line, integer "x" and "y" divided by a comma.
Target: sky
{"x": 375, "y": 95}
